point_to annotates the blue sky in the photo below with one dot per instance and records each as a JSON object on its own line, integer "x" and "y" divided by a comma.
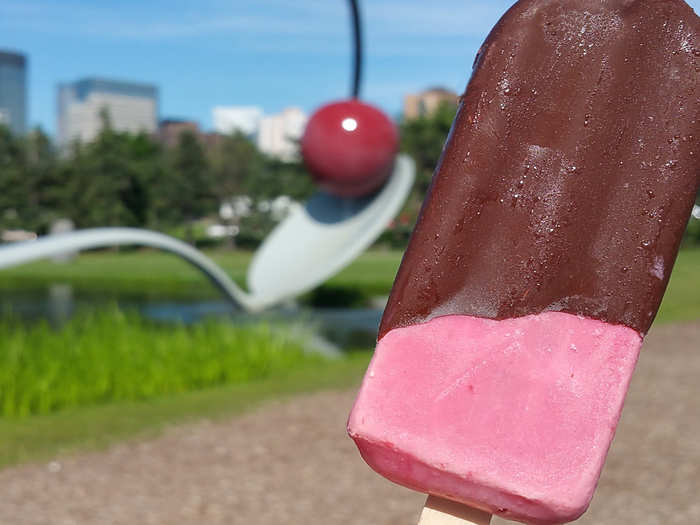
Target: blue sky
{"x": 270, "y": 53}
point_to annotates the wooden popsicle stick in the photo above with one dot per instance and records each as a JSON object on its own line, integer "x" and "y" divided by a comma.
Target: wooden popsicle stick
{"x": 438, "y": 511}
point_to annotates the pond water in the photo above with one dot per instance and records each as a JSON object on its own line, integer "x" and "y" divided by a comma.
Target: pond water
{"x": 340, "y": 327}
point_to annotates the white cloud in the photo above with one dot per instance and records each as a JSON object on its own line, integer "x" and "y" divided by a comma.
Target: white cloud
{"x": 393, "y": 28}
{"x": 141, "y": 21}
{"x": 439, "y": 19}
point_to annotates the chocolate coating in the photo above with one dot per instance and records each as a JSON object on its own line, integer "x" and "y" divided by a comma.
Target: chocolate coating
{"x": 570, "y": 171}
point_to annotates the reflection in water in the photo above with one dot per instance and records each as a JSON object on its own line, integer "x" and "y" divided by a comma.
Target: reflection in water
{"x": 60, "y": 306}
{"x": 342, "y": 327}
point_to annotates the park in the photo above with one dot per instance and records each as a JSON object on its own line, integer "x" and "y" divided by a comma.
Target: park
{"x": 246, "y": 314}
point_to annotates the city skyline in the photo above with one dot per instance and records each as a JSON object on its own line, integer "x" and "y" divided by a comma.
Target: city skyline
{"x": 266, "y": 53}
{"x": 13, "y": 91}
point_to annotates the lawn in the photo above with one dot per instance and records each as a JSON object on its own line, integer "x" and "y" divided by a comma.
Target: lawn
{"x": 107, "y": 375}
{"x": 99, "y": 423}
{"x": 147, "y": 272}
{"x": 39, "y": 438}
{"x": 106, "y": 355}
{"x": 682, "y": 299}
{"x": 138, "y": 271}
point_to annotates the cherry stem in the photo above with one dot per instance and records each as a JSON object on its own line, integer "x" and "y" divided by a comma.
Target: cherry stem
{"x": 357, "y": 34}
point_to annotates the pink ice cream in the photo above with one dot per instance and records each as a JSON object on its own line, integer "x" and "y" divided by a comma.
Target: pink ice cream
{"x": 514, "y": 417}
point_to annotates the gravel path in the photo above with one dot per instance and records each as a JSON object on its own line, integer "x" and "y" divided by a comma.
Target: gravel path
{"x": 292, "y": 463}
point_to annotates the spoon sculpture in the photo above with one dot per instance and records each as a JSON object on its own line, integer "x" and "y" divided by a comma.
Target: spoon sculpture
{"x": 350, "y": 149}
{"x": 313, "y": 243}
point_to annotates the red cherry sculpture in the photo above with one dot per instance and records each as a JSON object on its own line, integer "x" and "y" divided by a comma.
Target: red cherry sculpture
{"x": 349, "y": 147}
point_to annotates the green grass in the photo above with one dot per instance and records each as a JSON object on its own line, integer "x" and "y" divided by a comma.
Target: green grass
{"x": 142, "y": 272}
{"x": 146, "y": 272}
{"x": 98, "y": 425}
{"x": 682, "y": 299}
{"x": 94, "y": 427}
{"x": 107, "y": 355}
{"x": 108, "y": 376}
{"x": 373, "y": 272}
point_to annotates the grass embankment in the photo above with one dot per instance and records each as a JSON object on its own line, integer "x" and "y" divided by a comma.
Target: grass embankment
{"x": 42, "y": 369}
{"x": 107, "y": 356}
{"x": 39, "y": 438}
{"x": 108, "y": 375}
{"x": 142, "y": 272}
{"x": 97, "y": 425}
{"x": 682, "y": 299}
{"x": 146, "y": 272}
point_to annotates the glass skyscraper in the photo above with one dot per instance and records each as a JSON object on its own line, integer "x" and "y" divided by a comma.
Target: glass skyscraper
{"x": 13, "y": 91}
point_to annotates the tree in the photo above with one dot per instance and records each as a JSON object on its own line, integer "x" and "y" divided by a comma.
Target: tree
{"x": 423, "y": 139}
{"x": 185, "y": 191}
{"x": 12, "y": 190}
{"x": 147, "y": 161}
{"x": 105, "y": 184}
{"x": 282, "y": 178}
{"x": 235, "y": 161}
{"x": 42, "y": 185}
{"x": 30, "y": 191}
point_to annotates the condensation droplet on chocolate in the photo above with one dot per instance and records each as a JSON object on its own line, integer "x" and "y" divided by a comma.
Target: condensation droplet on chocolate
{"x": 671, "y": 164}
{"x": 657, "y": 270}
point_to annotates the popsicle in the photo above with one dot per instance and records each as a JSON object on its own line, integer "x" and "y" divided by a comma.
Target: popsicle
{"x": 539, "y": 259}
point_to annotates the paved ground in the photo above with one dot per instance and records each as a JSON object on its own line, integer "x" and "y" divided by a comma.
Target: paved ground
{"x": 291, "y": 463}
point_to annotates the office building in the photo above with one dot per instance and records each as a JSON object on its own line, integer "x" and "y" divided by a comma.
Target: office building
{"x": 131, "y": 107}
{"x": 425, "y": 103}
{"x": 243, "y": 119}
{"x": 278, "y": 135}
{"x": 170, "y": 130}
{"x": 13, "y": 91}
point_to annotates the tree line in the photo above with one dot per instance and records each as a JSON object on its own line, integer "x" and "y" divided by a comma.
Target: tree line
{"x": 124, "y": 179}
